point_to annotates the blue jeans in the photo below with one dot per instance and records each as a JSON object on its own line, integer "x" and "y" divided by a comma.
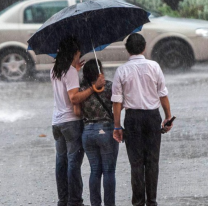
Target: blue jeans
{"x": 69, "y": 156}
{"x": 101, "y": 150}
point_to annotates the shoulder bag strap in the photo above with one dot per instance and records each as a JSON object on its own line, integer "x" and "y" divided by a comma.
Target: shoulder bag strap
{"x": 102, "y": 103}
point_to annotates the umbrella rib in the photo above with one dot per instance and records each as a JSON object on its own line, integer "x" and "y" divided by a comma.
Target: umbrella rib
{"x": 47, "y": 37}
{"x": 128, "y": 22}
{"x": 108, "y": 25}
{"x": 131, "y": 24}
{"x": 88, "y": 14}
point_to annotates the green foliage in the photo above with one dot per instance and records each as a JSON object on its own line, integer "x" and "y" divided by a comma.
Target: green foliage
{"x": 156, "y": 5}
{"x": 166, "y": 10}
{"x": 197, "y": 9}
{"x": 151, "y": 5}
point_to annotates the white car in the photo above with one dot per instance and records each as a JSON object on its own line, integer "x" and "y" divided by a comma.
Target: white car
{"x": 173, "y": 42}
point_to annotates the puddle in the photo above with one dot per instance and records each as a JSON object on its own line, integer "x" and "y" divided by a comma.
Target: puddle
{"x": 12, "y": 116}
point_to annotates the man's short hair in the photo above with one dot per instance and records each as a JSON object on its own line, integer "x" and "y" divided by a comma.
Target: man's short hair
{"x": 135, "y": 44}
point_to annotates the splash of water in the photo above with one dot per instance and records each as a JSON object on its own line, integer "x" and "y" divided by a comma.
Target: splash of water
{"x": 12, "y": 116}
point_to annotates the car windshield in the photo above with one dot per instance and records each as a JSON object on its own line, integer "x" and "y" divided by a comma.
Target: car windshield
{"x": 9, "y": 7}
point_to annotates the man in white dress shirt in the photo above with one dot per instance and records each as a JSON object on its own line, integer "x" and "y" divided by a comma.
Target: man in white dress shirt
{"x": 139, "y": 87}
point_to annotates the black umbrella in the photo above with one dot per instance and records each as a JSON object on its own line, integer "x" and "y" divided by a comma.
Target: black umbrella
{"x": 101, "y": 22}
{"x": 96, "y": 24}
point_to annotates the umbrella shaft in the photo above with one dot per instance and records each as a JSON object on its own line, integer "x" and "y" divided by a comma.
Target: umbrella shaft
{"x": 96, "y": 58}
{"x": 98, "y": 68}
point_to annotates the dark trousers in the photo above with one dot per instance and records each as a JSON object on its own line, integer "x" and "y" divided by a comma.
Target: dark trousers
{"x": 69, "y": 156}
{"x": 143, "y": 147}
{"x": 101, "y": 150}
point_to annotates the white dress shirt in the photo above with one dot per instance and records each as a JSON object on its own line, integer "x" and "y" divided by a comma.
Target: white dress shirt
{"x": 139, "y": 84}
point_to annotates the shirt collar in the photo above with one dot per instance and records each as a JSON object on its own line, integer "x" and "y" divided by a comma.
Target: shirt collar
{"x": 140, "y": 56}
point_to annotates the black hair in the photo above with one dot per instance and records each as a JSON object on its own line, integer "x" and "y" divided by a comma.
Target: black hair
{"x": 90, "y": 70}
{"x": 66, "y": 51}
{"x": 135, "y": 44}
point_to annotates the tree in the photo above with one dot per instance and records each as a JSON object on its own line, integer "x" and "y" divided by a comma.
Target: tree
{"x": 172, "y": 3}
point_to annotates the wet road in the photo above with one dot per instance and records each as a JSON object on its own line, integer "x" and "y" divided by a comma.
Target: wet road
{"x": 27, "y": 161}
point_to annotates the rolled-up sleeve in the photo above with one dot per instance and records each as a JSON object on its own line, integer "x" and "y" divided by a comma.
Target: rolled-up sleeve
{"x": 161, "y": 88}
{"x": 117, "y": 92}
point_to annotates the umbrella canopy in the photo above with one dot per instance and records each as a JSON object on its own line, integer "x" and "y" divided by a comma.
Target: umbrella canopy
{"x": 101, "y": 22}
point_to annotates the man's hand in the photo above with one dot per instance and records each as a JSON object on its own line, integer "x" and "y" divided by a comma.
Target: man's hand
{"x": 100, "y": 81}
{"x": 118, "y": 135}
{"x": 167, "y": 128}
{"x": 79, "y": 65}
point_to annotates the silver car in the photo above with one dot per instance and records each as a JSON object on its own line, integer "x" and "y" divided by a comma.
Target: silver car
{"x": 173, "y": 42}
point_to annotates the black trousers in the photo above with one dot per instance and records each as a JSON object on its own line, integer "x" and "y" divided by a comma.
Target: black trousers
{"x": 143, "y": 147}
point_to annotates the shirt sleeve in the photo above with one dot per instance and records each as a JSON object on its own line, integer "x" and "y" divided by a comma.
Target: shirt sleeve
{"x": 117, "y": 92}
{"x": 161, "y": 88}
{"x": 71, "y": 79}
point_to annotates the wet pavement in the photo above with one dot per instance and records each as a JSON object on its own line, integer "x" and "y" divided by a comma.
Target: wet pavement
{"x": 27, "y": 161}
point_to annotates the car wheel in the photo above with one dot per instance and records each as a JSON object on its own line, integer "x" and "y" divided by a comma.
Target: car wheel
{"x": 15, "y": 64}
{"x": 173, "y": 54}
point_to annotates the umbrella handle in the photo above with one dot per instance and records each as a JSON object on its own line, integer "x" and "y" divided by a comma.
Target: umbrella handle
{"x": 98, "y": 90}
{"x": 93, "y": 86}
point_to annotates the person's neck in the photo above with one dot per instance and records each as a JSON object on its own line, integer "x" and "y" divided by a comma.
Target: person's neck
{"x": 73, "y": 64}
{"x": 136, "y": 54}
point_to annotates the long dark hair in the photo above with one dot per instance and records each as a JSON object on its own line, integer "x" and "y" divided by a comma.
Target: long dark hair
{"x": 90, "y": 71}
{"x": 67, "y": 49}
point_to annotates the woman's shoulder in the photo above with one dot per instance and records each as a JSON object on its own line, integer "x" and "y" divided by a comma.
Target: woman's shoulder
{"x": 72, "y": 71}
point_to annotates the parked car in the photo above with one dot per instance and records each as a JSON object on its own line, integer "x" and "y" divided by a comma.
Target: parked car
{"x": 17, "y": 24}
{"x": 173, "y": 42}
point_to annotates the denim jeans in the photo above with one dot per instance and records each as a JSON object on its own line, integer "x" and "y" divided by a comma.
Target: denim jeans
{"x": 143, "y": 147}
{"x": 69, "y": 156}
{"x": 101, "y": 150}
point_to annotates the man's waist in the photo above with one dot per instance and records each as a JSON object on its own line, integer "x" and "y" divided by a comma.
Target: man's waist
{"x": 142, "y": 110}
{"x": 142, "y": 105}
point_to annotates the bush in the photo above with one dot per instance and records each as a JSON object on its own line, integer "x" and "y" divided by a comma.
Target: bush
{"x": 150, "y": 5}
{"x": 166, "y": 10}
{"x": 197, "y": 9}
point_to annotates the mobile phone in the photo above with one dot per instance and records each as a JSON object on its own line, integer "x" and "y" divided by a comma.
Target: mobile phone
{"x": 168, "y": 123}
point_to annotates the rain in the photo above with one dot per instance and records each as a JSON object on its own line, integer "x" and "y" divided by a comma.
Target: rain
{"x": 177, "y": 38}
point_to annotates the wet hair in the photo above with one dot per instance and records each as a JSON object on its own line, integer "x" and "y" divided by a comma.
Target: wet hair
{"x": 90, "y": 70}
{"x": 135, "y": 44}
{"x": 66, "y": 51}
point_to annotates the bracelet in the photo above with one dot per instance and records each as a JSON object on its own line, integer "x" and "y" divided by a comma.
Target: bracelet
{"x": 117, "y": 128}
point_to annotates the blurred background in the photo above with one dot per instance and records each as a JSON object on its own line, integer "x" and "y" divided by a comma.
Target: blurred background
{"x": 177, "y": 38}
